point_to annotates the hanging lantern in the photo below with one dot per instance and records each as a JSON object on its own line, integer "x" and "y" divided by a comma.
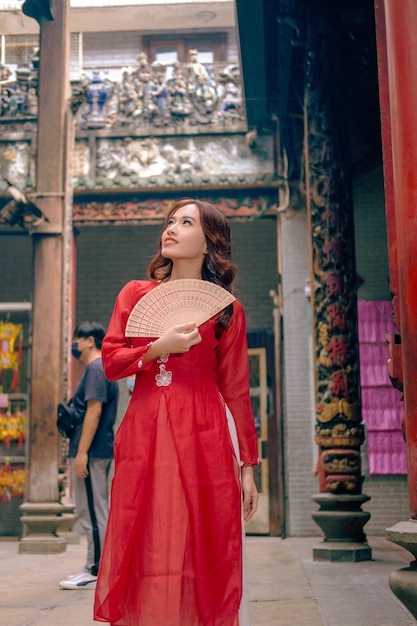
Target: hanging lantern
{"x": 9, "y": 358}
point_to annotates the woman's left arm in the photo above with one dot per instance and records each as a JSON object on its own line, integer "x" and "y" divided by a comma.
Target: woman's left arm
{"x": 233, "y": 381}
{"x": 250, "y": 493}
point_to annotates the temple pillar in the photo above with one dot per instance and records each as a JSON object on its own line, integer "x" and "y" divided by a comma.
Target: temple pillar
{"x": 339, "y": 431}
{"x": 396, "y": 24}
{"x": 42, "y": 509}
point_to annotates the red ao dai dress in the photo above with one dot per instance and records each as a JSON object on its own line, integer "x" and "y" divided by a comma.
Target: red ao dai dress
{"x": 173, "y": 549}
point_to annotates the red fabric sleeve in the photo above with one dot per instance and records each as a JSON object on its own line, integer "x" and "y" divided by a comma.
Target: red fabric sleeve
{"x": 120, "y": 357}
{"x": 233, "y": 381}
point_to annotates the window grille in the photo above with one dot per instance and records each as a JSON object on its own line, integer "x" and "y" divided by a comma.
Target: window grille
{"x": 75, "y": 56}
{"x": 19, "y": 48}
{"x": 107, "y": 50}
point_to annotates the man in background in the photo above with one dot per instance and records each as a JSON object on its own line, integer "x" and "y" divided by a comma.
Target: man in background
{"x": 91, "y": 448}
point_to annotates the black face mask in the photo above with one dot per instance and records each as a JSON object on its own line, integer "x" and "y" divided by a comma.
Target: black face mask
{"x": 74, "y": 350}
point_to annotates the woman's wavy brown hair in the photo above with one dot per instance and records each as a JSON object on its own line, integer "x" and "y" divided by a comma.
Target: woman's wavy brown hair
{"x": 217, "y": 266}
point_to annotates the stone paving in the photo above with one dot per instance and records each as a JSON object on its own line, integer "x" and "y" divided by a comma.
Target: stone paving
{"x": 286, "y": 587}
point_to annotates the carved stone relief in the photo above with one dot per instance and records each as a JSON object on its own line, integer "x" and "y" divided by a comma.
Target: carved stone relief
{"x": 147, "y": 96}
{"x": 171, "y": 161}
{"x": 151, "y": 94}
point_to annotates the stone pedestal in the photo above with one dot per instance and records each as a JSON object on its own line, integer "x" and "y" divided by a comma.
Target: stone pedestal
{"x": 403, "y": 582}
{"x": 65, "y": 528}
{"x": 41, "y": 521}
{"x": 341, "y": 519}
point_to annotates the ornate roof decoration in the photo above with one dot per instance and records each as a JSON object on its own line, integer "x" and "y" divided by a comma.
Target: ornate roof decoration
{"x": 153, "y": 210}
{"x": 180, "y": 128}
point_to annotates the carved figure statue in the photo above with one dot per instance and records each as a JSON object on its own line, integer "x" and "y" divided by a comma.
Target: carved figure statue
{"x": 128, "y": 101}
{"x": 20, "y": 96}
{"x": 149, "y": 109}
{"x": 32, "y": 101}
{"x": 205, "y": 96}
{"x": 181, "y": 106}
{"x": 5, "y": 73}
{"x": 4, "y": 101}
{"x": 143, "y": 67}
{"x": 196, "y": 72}
{"x": 160, "y": 93}
{"x": 231, "y": 102}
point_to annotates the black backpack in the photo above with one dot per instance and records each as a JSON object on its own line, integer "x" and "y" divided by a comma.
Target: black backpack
{"x": 66, "y": 419}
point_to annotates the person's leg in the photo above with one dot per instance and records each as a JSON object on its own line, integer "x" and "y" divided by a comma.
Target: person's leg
{"x": 85, "y": 578}
{"x": 83, "y": 513}
{"x": 99, "y": 473}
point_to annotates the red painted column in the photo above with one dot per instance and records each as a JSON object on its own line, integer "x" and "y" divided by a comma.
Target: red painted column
{"x": 394, "y": 340}
{"x": 384, "y": 104}
{"x": 401, "y": 46}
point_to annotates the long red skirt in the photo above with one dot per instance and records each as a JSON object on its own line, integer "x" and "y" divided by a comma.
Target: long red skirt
{"x": 164, "y": 593}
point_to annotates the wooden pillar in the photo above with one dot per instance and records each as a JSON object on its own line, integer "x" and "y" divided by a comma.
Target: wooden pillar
{"x": 339, "y": 428}
{"x": 397, "y": 58}
{"x": 393, "y": 339}
{"x": 41, "y": 508}
{"x": 401, "y": 24}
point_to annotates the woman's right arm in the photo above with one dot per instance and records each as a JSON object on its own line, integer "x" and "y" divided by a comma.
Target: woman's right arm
{"x": 120, "y": 358}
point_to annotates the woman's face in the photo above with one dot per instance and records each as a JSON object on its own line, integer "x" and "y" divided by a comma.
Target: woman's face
{"x": 183, "y": 237}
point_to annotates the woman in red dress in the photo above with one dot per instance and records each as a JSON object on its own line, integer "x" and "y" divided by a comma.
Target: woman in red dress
{"x": 173, "y": 549}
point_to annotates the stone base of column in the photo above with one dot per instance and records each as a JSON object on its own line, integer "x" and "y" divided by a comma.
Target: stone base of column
{"x": 403, "y": 582}
{"x": 65, "y": 528}
{"x": 42, "y": 544}
{"x": 338, "y": 552}
{"x": 341, "y": 519}
{"x": 41, "y": 521}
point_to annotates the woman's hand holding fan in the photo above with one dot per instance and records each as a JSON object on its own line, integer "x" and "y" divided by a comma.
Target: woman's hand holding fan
{"x": 174, "y": 303}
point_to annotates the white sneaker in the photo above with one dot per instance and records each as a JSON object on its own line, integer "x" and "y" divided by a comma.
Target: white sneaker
{"x": 74, "y": 575}
{"x": 79, "y": 581}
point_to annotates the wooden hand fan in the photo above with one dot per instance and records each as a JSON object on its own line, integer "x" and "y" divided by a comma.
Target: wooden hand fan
{"x": 176, "y": 302}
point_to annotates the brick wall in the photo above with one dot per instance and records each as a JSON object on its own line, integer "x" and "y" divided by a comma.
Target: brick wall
{"x": 15, "y": 267}
{"x": 371, "y": 237}
{"x": 300, "y": 449}
{"x": 10, "y": 525}
{"x": 388, "y": 504}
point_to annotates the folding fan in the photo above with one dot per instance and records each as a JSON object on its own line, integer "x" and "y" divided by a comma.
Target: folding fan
{"x": 176, "y": 302}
